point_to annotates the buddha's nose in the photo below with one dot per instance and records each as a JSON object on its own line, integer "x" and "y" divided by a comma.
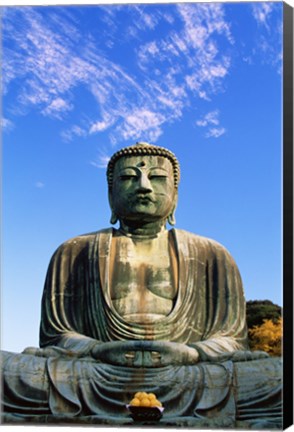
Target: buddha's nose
{"x": 144, "y": 183}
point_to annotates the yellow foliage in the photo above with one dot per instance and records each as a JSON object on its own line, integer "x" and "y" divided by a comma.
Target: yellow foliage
{"x": 267, "y": 337}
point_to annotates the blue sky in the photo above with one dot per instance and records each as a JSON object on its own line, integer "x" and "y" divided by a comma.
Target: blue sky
{"x": 80, "y": 82}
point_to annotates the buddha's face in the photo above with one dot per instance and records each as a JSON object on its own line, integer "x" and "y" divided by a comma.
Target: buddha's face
{"x": 143, "y": 188}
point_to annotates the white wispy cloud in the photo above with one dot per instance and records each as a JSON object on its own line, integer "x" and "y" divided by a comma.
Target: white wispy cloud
{"x": 72, "y": 132}
{"x": 215, "y": 132}
{"x": 142, "y": 123}
{"x": 147, "y": 20}
{"x": 212, "y": 124}
{"x": 268, "y": 46}
{"x": 53, "y": 58}
{"x": 106, "y": 121}
{"x": 46, "y": 64}
{"x": 57, "y": 108}
{"x": 6, "y": 124}
{"x": 143, "y": 20}
{"x": 101, "y": 162}
{"x": 209, "y": 118}
{"x": 191, "y": 55}
{"x": 99, "y": 126}
{"x": 102, "y": 159}
{"x": 261, "y": 12}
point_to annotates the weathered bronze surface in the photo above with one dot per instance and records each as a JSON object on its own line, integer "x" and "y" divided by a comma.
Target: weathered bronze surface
{"x": 143, "y": 308}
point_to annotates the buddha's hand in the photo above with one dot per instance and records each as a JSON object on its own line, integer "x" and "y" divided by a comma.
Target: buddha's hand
{"x": 145, "y": 353}
{"x": 239, "y": 356}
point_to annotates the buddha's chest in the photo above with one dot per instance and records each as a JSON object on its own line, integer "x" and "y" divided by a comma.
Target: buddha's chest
{"x": 143, "y": 282}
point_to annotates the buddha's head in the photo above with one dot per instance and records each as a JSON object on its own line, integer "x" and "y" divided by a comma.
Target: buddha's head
{"x": 143, "y": 184}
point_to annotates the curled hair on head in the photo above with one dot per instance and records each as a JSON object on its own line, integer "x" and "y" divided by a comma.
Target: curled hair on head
{"x": 142, "y": 148}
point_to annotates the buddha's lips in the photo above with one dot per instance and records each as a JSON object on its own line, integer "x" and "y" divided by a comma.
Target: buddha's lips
{"x": 142, "y": 197}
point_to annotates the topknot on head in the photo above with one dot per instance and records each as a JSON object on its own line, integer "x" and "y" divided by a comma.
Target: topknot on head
{"x": 143, "y": 148}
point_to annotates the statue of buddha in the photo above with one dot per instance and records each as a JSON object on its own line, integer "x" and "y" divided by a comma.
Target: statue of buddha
{"x": 143, "y": 308}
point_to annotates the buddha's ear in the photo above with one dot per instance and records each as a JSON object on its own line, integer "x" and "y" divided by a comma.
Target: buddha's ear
{"x": 113, "y": 218}
{"x": 171, "y": 217}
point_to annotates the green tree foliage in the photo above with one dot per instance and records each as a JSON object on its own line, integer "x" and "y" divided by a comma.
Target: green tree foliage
{"x": 259, "y": 310}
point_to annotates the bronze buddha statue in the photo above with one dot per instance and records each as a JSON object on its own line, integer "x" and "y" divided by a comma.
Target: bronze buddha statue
{"x": 143, "y": 308}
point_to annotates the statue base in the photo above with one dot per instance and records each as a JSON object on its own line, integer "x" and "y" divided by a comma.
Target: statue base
{"x": 185, "y": 422}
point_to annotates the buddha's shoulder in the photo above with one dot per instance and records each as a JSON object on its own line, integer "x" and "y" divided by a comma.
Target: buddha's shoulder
{"x": 199, "y": 241}
{"x": 83, "y": 241}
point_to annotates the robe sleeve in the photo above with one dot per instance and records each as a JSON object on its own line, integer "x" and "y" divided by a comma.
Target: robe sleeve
{"x": 63, "y": 318}
{"x": 224, "y": 307}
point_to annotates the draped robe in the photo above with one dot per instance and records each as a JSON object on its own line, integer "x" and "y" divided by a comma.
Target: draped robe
{"x": 77, "y": 313}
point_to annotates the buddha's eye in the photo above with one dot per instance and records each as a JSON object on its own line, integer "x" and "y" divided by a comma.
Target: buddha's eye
{"x": 157, "y": 177}
{"x": 125, "y": 177}
{"x": 157, "y": 174}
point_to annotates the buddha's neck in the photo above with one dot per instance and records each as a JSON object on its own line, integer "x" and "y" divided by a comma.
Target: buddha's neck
{"x": 147, "y": 229}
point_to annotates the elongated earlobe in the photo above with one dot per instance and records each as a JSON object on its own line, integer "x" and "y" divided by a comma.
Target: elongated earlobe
{"x": 113, "y": 218}
{"x": 171, "y": 218}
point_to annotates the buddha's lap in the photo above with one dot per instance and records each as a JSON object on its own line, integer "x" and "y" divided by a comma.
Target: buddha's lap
{"x": 29, "y": 373}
